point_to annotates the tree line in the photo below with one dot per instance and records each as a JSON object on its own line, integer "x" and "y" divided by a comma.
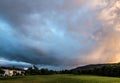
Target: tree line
{"x": 36, "y": 71}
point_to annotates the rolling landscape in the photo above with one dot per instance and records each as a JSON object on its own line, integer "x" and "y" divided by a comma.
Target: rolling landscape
{"x": 95, "y": 73}
{"x": 59, "y": 41}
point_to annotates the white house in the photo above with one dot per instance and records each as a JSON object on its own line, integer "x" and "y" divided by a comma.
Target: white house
{"x": 8, "y": 72}
{"x": 12, "y": 71}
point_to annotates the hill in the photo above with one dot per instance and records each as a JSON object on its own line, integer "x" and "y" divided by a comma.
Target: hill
{"x": 99, "y": 69}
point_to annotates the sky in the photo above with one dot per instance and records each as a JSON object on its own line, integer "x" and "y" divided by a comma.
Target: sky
{"x": 59, "y": 34}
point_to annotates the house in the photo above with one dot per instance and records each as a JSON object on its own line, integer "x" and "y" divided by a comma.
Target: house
{"x": 8, "y": 71}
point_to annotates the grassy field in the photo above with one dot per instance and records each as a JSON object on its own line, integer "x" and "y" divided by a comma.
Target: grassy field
{"x": 60, "y": 79}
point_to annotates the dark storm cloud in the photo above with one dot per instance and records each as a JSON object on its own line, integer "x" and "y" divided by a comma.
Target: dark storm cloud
{"x": 20, "y": 18}
{"x": 59, "y": 32}
{"x": 16, "y": 11}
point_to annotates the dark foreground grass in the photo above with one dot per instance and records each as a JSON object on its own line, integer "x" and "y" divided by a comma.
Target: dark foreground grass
{"x": 60, "y": 79}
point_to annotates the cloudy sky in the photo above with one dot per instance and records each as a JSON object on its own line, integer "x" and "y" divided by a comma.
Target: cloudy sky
{"x": 59, "y": 33}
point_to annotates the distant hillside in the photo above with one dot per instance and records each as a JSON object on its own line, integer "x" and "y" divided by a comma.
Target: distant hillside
{"x": 99, "y": 69}
{"x": 91, "y": 66}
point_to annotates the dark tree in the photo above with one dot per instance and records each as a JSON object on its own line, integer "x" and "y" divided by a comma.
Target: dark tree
{"x": 1, "y": 71}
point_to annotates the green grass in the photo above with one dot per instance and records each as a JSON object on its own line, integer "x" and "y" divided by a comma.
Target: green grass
{"x": 60, "y": 79}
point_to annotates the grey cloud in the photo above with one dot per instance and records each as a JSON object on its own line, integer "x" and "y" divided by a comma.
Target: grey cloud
{"x": 59, "y": 32}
